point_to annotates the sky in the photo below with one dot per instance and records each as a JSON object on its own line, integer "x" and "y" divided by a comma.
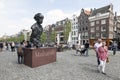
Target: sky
{"x": 16, "y": 15}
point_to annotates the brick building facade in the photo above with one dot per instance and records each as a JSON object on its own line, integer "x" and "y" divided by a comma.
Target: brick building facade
{"x": 102, "y": 24}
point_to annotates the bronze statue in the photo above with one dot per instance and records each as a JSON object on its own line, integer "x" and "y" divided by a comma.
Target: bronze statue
{"x": 37, "y": 30}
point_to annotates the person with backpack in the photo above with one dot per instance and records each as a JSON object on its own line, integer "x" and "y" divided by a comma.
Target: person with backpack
{"x": 20, "y": 53}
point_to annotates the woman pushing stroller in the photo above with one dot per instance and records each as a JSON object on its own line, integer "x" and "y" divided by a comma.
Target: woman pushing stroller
{"x": 80, "y": 48}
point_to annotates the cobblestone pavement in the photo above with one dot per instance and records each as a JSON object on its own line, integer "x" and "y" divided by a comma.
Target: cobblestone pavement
{"x": 67, "y": 67}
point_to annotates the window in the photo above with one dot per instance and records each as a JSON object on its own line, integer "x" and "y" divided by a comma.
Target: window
{"x": 97, "y": 22}
{"x": 92, "y": 23}
{"x": 62, "y": 34}
{"x": 72, "y": 32}
{"x": 86, "y": 35}
{"x": 103, "y": 35}
{"x": 63, "y": 22}
{"x": 97, "y": 27}
{"x": 83, "y": 29}
{"x": 110, "y": 28}
{"x": 97, "y": 35}
{"x": 79, "y": 23}
{"x": 103, "y": 28}
{"x": 83, "y": 36}
{"x": 92, "y": 29}
{"x": 80, "y": 29}
{"x": 76, "y": 27}
{"x": 76, "y": 38}
{"x": 92, "y": 35}
{"x": 86, "y": 28}
{"x": 83, "y": 22}
{"x": 103, "y": 21}
{"x": 61, "y": 39}
{"x": 111, "y": 36}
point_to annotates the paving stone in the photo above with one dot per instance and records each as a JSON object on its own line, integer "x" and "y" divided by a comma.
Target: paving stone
{"x": 67, "y": 67}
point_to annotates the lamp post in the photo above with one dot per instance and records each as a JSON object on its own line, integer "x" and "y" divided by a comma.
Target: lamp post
{"x": 25, "y": 34}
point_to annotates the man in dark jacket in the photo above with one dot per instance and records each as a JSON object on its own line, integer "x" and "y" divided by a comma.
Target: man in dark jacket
{"x": 87, "y": 47}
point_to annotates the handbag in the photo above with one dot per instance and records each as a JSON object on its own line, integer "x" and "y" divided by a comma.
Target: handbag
{"x": 107, "y": 60}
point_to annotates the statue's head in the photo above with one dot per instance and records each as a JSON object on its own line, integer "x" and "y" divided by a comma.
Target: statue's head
{"x": 39, "y": 18}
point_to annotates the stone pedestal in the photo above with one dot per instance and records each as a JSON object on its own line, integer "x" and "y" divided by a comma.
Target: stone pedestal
{"x": 34, "y": 57}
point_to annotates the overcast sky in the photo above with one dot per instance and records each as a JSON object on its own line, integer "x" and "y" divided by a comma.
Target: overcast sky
{"x": 16, "y": 15}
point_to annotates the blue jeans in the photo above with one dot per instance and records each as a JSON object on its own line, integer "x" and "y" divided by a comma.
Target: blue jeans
{"x": 20, "y": 59}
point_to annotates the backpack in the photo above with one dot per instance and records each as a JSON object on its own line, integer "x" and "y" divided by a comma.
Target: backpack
{"x": 20, "y": 50}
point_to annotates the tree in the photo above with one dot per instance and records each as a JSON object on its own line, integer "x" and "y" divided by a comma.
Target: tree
{"x": 53, "y": 35}
{"x": 67, "y": 30}
{"x": 19, "y": 38}
{"x": 43, "y": 37}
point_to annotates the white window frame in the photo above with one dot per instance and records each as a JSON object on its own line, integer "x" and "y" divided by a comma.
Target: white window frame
{"x": 92, "y": 24}
{"x": 103, "y": 21}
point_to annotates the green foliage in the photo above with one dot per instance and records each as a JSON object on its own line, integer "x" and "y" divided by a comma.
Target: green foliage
{"x": 53, "y": 35}
{"x": 15, "y": 39}
{"x": 43, "y": 37}
{"x": 67, "y": 30}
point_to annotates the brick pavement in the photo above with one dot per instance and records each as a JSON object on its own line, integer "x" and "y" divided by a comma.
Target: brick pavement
{"x": 67, "y": 67}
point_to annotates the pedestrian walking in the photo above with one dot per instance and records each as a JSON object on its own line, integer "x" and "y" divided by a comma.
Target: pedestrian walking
{"x": 96, "y": 46}
{"x": 103, "y": 55}
{"x": 7, "y": 46}
{"x": 87, "y": 48}
{"x": 1, "y": 46}
{"x": 12, "y": 46}
{"x": 114, "y": 47}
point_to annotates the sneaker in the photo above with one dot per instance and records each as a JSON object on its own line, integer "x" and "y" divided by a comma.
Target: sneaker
{"x": 104, "y": 73}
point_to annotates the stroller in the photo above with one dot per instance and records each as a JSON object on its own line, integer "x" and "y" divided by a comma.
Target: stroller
{"x": 82, "y": 50}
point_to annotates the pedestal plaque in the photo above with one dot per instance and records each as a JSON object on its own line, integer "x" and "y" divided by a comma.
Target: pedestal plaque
{"x": 34, "y": 57}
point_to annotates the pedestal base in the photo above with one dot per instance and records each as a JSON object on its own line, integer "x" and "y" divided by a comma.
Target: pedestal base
{"x": 39, "y": 56}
